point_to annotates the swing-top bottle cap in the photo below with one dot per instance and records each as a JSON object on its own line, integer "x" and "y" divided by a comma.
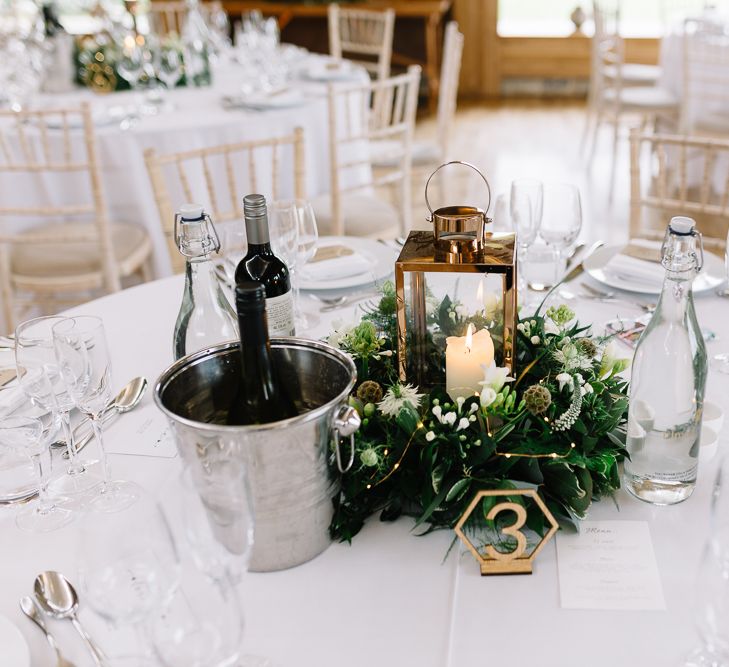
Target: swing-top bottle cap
{"x": 191, "y": 212}
{"x": 682, "y": 225}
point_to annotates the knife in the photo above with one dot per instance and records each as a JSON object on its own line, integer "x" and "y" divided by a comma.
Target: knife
{"x": 579, "y": 268}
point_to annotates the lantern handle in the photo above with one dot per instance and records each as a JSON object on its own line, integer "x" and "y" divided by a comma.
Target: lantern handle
{"x": 465, "y": 164}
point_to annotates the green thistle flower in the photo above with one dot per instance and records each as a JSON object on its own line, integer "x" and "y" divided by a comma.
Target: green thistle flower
{"x": 369, "y": 457}
{"x": 561, "y": 315}
{"x": 369, "y": 392}
{"x": 537, "y": 399}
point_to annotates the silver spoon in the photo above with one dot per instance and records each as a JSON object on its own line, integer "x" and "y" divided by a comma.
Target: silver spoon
{"x": 127, "y": 399}
{"x": 57, "y": 598}
{"x": 30, "y": 609}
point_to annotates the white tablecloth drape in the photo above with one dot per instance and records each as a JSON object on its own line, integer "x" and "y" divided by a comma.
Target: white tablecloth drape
{"x": 194, "y": 118}
{"x": 390, "y": 598}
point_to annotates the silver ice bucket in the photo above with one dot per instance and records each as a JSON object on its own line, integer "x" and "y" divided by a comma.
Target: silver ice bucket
{"x": 290, "y": 463}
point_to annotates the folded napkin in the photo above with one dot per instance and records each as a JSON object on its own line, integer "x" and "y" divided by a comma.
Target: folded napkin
{"x": 626, "y": 268}
{"x": 11, "y": 399}
{"x": 338, "y": 264}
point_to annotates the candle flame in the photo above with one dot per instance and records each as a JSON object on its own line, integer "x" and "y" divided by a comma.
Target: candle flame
{"x": 469, "y": 338}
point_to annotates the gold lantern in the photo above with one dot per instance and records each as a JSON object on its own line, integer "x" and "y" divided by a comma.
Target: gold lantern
{"x": 456, "y": 298}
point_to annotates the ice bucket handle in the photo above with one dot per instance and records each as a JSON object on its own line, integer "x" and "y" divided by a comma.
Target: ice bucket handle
{"x": 345, "y": 423}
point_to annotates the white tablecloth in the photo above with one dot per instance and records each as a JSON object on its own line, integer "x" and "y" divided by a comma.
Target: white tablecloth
{"x": 390, "y": 599}
{"x": 195, "y": 119}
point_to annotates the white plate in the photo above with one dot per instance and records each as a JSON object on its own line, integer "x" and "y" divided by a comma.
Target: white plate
{"x": 381, "y": 257}
{"x": 100, "y": 118}
{"x": 13, "y": 647}
{"x": 711, "y": 276}
{"x": 285, "y": 99}
{"x": 329, "y": 71}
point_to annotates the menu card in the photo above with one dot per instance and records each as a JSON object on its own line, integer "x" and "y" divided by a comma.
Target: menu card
{"x": 145, "y": 432}
{"x": 609, "y": 565}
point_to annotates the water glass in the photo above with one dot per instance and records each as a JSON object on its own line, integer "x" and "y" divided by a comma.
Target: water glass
{"x": 31, "y": 437}
{"x": 168, "y": 65}
{"x": 85, "y": 365}
{"x": 40, "y": 378}
{"x": 541, "y": 267}
{"x": 525, "y": 211}
{"x": 131, "y": 61}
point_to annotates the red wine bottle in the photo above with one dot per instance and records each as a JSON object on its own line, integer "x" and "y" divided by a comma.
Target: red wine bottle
{"x": 261, "y": 396}
{"x": 261, "y": 265}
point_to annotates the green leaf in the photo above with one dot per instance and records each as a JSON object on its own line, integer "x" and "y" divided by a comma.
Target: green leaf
{"x": 436, "y": 476}
{"x": 458, "y": 489}
{"x": 503, "y": 432}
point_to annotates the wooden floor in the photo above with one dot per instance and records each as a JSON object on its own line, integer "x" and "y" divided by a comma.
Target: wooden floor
{"x": 539, "y": 139}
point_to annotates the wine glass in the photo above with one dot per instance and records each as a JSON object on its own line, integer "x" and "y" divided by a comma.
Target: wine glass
{"x": 308, "y": 238}
{"x": 40, "y": 378}
{"x": 712, "y": 582}
{"x": 721, "y": 360}
{"x": 168, "y": 65}
{"x": 29, "y": 435}
{"x": 131, "y": 62}
{"x": 525, "y": 210}
{"x": 84, "y": 363}
{"x": 561, "y": 216}
{"x": 284, "y": 221}
{"x": 129, "y": 569}
{"x": 203, "y": 625}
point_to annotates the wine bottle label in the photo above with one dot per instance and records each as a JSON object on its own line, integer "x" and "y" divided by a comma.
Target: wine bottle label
{"x": 280, "y": 314}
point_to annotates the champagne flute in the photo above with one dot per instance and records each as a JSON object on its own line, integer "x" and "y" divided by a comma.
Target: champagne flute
{"x": 129, "y": 570}
{"x": 29, "y": 436}
{"x": 40, "y": 378}
{"x": 308, "y": 238}
{"x": 83, "y": 359}
{"x": 525, "y": 209}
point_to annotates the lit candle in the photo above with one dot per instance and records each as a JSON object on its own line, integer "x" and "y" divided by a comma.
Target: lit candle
{"x": 464, "y": 356}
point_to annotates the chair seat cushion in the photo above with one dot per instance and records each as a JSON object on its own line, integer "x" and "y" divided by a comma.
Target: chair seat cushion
{"x": 364, "y": 215}
{"x": 643, "y": 97}
{"x": 634, "y": 73}
{"x": 77, "y": 258}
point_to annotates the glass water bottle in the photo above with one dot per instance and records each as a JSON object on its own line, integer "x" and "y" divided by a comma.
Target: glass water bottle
{"x": 667, "y": 380}
{"x": 206, "y": 317}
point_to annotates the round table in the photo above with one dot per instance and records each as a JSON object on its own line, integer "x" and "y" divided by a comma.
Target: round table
{"x": 390, "y": 598}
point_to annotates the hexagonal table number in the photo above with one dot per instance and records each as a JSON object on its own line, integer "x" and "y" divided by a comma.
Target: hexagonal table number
{"x": 519, "y": 560}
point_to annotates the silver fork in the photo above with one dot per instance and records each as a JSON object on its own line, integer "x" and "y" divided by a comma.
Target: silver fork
{"x": 608, "y": 296}
{"x": 332, "y": 303}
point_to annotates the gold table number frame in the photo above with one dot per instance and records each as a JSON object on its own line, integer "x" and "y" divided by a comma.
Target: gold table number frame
{"x": 517, "y": 561}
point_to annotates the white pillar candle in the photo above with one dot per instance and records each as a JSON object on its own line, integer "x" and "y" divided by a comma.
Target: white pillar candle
{"x": 464, "y": 356}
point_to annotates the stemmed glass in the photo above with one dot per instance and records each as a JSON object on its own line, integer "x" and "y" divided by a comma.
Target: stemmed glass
{"x": 40, "y": 379}
{"x": 203, "y": 626}
{"x": 712, "y": 583}
{"x": 29, "y": 436}
{"x": 168, "y": 65}
{"x": 561, "y": 216}
{"x": 130, "y": 65}
{"x": 83, "y": 359}
{"x": 129, "y": 569}
{"x": 525, "y": 210}
{"x": 284, "y": 220}
{"x": 308, "y": 238}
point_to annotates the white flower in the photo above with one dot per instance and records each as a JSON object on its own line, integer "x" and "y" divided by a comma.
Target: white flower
{"x": 535, "y": 340}
{"x": 450, "y": 418}
{"x": 610, "y": 362}
{"x": 460, "y": 311}
{"x": 565, "y": 379}
{"x": 550, "y": 327}
{"x": 430, "y": 436}
{"x": 341, "y": 331}
{"x": 460, "y": 401}
{"x": 438, "y": 411}
{"x": 572, "y": 359}
{"x": 472, "y": 418}
{"x": 463, "y": 423}
{"x": 586, "y": 389}
{"x": 495, "y": 376}
{"x": 396, "y": 398}
{"x": 488, "y": 396}
{"x": 473, "y": 408}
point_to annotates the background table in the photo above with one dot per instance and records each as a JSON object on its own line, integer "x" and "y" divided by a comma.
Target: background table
{"x": 195, "y": 119}
{"x": 392, "y": 598}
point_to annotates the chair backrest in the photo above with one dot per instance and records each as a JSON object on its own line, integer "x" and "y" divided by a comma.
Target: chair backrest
{"x": 683, "y": 175}
{"x": 705, "y": 99}
{"x": 381, "y": 111}
{"x": 363, "y": 32}
{"x": 218, "y": 177}
{"x": 607, "y": 47}
{"x": 449, "y": 75}
{"x": 168, "y": 16}
{"x": 54, "y": 152}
